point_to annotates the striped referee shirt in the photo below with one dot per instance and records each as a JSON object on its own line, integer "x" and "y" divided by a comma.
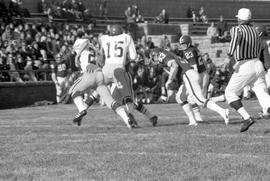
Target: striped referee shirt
{"x": 245, "y": 42}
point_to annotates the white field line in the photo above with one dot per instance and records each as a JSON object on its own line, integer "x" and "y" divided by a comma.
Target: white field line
{"x": 172, "y": 154}
{"x": 137, "y": 135}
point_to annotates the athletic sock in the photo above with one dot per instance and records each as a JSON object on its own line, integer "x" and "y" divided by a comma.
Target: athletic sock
{"x": 78, "y": 101}
{"x": 214, "y": 107}
{"x": 122, "y": 113}
{"x": 197, "y": 113}
{"x": 142, "y": 109}
{"x": 189, "y": 113}
{"x": 242, "y": 111}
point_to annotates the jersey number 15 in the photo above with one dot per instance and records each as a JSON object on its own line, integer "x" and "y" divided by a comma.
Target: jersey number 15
{"x": 117, "y": 50}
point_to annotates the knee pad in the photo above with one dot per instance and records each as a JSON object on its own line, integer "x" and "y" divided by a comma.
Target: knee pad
{"x": 236, "y": 104}
{"x": 184, "y": 103}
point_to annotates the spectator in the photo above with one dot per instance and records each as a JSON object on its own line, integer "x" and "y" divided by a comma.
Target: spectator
{"x": 150, "y": 43}
{"x": 212, "y": 33}
{"x": 14, "y": 75}
{"x": 163, "y": 17}
{"x": 102, "y": 6}
{"x": 43, "y": 7}
{"x": 165, "y": 43}
{"x": 195, "y": 17}
{"x": 223, "y": 30}
{"x": 202, "y": 15}
{"x": 4, "y": 76}
{"x": 189, "y": 12}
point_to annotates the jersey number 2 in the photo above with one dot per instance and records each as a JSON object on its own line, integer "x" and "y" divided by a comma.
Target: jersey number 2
{"x": 117, "y": 51}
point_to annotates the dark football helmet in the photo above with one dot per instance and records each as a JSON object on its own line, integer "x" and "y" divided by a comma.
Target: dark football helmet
{"x": 115, "y": 30}
{"x": 185, "y": 42}
{"x": 261, "y": 29}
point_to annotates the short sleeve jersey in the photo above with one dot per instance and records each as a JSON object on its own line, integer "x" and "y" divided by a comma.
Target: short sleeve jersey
{"x": 60, "y": 69}
{"x": 86, "y": 58}
{"x": 191, "y": 54}
{"x": 118, "y": 48}
{"x": 165, "y": 56}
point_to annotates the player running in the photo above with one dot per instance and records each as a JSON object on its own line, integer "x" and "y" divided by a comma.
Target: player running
{"x": 190, "y": 84}
{"x": 192, "y": 55}
{"x": 117, "y": 50}
{"x": 91, "y": 78}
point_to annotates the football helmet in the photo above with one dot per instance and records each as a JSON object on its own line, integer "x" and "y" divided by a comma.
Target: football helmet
{"x": 115, "y": 30}
{"x": 154, "y": 53}
{"x": 261, "y": 29}
{"x": 185, "y": 42}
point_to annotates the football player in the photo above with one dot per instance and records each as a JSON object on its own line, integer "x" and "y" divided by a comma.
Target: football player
{"x": 265, "y": 58}
{"x": 92, "y": 78}
{"x": 117, "y": 50}
{"x": 59, "y": 76}
{"x": 192, "y": 55}
{"x": 190, "y": 84}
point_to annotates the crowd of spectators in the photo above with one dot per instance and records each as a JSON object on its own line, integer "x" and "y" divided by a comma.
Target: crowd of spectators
{"x": 33, "y": 47}
{"x": 27, "y": 51}
{"x": 219, "y": 32}
{"x": 67, "y": 9}
{"x": 12, "y": 8}
{"x": 197, "y": 15}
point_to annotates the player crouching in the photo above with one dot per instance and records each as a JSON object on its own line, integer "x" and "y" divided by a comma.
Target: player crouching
{"x": 92, "y": 78}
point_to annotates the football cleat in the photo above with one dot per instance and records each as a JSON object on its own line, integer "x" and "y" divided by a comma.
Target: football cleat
{"x": 247, "y": 123}
{"x": 153, "y": 120}
{"x": 264, "y": 114}
{"x": 132, "y": 122}
{"x": 78, "y": 118}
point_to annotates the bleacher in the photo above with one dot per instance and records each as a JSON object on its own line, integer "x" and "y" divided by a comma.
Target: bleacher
{"x": 196, "y": 29}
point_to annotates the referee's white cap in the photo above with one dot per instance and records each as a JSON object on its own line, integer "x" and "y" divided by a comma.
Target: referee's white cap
{"x": 244, "y": 14}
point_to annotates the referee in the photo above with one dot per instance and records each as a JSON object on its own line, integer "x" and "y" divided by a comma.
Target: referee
{"x": 245, "y": 48}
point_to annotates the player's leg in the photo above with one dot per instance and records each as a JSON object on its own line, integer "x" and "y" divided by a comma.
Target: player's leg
{"x": 260, "y": 89}
{"x": 204, "y": 76}
{"x": 104, "y": 93}
{"x": 124, "y": 87}
{"x": 267, "y": 80}
{"x": 86, "y": 81}
{"x": 181, "y": 98}
{"x": 123, "y": 93}
{"x": 191, "y": 80}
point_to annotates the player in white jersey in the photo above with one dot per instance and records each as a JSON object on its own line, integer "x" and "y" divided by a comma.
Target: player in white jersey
{"x": 118, "y": 50}
{"x": 92, "y": 78}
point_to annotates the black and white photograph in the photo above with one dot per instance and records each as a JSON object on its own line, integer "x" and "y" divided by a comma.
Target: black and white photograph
{"x": 134, "y": 90}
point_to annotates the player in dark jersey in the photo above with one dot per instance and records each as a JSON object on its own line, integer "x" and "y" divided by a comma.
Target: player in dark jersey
{"x": 265, "y": 58}
{"x": 59, "y": 76}
{"x": 179, "y": 66}
{"x": 192, "y": 55}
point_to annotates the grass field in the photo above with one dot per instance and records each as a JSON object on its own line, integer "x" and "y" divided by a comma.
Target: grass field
{"x": 40, "y": 143}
